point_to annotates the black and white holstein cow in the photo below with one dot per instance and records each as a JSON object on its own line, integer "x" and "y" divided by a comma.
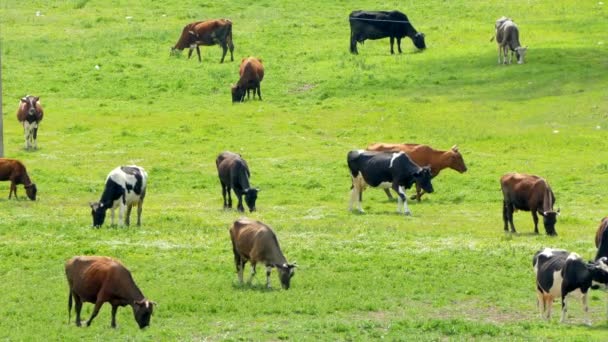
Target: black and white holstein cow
{"x": 507, "y": 38}
{"x": 125, "y": 187}
{"x": 560, "y": 273}
{"x": 384, "y": 170}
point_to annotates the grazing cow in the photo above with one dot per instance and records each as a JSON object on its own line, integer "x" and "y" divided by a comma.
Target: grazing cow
{"x": 601, "y": 239}
{"x": 424, "y": 155}
{"x": 100, "y": 279}
{"x": 384, "y": 169}
{"x": 252, "y": 74}
{"x": 381, "y": 24}
{"x": 507, "y": 38}
{"x": 560, "y": 273}
{"x": 256, "y": 242}
{"x": 528, "y": 193}
{"x": 14, "y": 171}
{"x": 233, "y": 173}
{"x": 30, "y": 114}
{"x": 125, "y": 187}
{"x": 209, "y": 32}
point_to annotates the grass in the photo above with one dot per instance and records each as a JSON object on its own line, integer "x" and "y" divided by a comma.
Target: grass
{"x": 448, "y": 272}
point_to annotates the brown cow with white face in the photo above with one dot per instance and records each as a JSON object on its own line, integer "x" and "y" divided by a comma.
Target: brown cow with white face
{"x": 424, "y": 155}
{"x": 30, "y": 114}
{"x": 529, "y": 193}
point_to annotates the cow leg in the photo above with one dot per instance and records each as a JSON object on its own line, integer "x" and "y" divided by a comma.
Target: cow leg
{"x": 252, "y": 272}
{"x": 586, "y": 308}
{"x": 401, "y": 199}
{"x": 12, "y": 190}
{"x": 224, "y": 51}
{"x": 505, "y": 215}
{"x": 35, "y": 136}
{"x": 198, "y": 52}
{"x": 356, "y": 194}
{"x": 190, "y": 52}
{"x": 535, "y": 219}
{"x": 540, "y": 303}
{"x": 510, "y": 209}
{"x": 140, "y": 205}
{"x": 399, "y": 45}
{"x": 564, "y": 309}
{"x": 392, "y": 42}
{"x": 387, "y": 191}
{"x": 231, "y": 47}
{"x": 499, "y": 52}
{"x": 128, "y": 215}
{"x": 259, "y": 93}
{"x": 26, "y": 134}
{"x": 419, "y": 192}
{"x": 239, "y": 206}
{"x": 78, "y": 308}
{"x": 548, "y": 306}
{"x": 121, "y": 213}
{"x": 114, "y": 309}
{"x": 98, "y": 305}
{"x": 268, "y": 270}
{"x": 228, "y": 190}
{"x": 240, "y": 266}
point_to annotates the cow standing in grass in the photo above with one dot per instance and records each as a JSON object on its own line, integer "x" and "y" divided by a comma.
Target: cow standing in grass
{"x": 125, "y": 187}
{"x": 30, "y": 114}
{"x": 209, "y": 32}
{"x": 13, "y": 170}
{"x": 251, "y": 74}
{"x": 381, "y": 24}
{"x": 256, "y": 242}
{"x": 233, "y": 173}
{"x": 507, "y": 38}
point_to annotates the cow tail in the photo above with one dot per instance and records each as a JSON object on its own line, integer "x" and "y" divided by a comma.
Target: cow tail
{"x": 229, "y": 34}
{"x": 69, "y": 306}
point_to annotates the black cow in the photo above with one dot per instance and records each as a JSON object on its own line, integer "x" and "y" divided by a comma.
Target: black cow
{"x": 386, "y": 169}
{"x": 234, "y": 174}
{"x": 559, "y": 273}
{"x": 381, "y": 24}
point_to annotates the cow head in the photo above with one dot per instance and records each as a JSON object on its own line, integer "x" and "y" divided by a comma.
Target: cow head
{"x": 419, "y": 40}
{"x": 31, "y": 191}
{"x": 30, "y": 102}
{"x": 521, "y": 53}
{"x": 286, "y": 271}
{"x": 251, "y": 195}
{"x": 98, "y": 211}
{"x": 549, "y": 220}
{"x": 423, "y": 179}
{"x": 238, "y": 93}
{"x": 456, "y": 161}
{"x": 142, "y": 310}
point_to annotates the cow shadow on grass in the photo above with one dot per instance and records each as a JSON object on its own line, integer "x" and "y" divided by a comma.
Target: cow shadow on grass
{"x": 253, "y": 286}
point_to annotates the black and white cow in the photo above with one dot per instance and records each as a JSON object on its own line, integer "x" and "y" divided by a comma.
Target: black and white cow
{"x": 507, "y": 38}
{"x": 125, "y": 187}
{"x": 381, "y": 24}
{"x": 560, "y": 273}
{"x": 386, "y": 169}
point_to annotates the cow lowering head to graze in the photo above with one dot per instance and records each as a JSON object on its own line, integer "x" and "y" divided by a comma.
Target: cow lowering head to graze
{"x": 30, "y": 114}
{"x": 424, "y": 155}
{"x": 100, "y": 279}
{"x": 560, "y": 273}
{"x": 252, "y": 74}
{"x": 601, "y": 239}
{"x": 256, "y": 242}
{"x": 528, "y": 193}
{"x": 233, "y": 173}
{"x": 385, "y": 169}
{"x": 125, "y": 187}
{"x": 381, "y": 24}
{"x": 507, "y": 38}
{"x": 14, "y": 171}
{"x": 207, "y": 33}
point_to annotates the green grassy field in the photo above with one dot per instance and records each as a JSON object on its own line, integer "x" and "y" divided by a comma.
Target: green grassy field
{"x": 447, "y": 272}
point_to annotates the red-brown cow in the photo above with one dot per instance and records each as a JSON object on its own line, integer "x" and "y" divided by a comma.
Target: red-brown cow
{"x": 30, "y": 114}
{"x": 424, "y": 155}
{"x": 209, "y": 32}
{"x": 528, "y": 193}
{"x": 252, "y": 74}
{"x": 601, "y": 239}
{"x": 14, "y": 171}
{"x": 100, "y": 279}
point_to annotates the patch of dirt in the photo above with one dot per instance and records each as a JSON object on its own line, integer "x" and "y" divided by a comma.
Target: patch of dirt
{"x": 303, "y": 88}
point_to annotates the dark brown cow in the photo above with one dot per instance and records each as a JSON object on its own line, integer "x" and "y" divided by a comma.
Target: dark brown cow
{"x": 252, "y": 74}
{"x": 424, "y": 155}
{"x": 601, "y": 239}
{"x": 14, "y": 171}
{"x": 209, "y": 32}
{"x": 234, "y": 174}
{"x": 528, "y": 193}
{"x": 100, "y": 279}
{"x": 30, "y": 114}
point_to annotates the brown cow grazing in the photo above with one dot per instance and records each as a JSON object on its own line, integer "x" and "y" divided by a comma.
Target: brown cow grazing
{"x": 100, "y": 279}
{"x": 424, "y": 155}
{"x": 30, "y": 114}
{"x": 528, "y": 193}
{"x": 256, "y": 242}
{"x": 14, "y": 170}
{"x": 209, "y": 32}
{"x": 252, "y": 74}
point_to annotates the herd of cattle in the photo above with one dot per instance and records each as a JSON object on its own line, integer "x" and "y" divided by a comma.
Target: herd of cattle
{"x": 98, "y": 279}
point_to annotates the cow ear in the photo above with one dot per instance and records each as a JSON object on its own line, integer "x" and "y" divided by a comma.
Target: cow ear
{"x": 455, "y": 148}
{"x": 37, "y": 98}
{"x": 23, "y": 99}
{"x": 257, "y": 189}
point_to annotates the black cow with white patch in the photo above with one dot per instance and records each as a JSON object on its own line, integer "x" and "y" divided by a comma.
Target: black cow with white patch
{"x": 125, "y": 187}
{"x": 381, "y": 24}
{"x": 386, "y": 169}
{"x": 560, "y": 273}
{"x": 234, "y": 174}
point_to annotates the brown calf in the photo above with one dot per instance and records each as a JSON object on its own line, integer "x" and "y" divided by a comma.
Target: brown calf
{"x": 528, "y": 193}
{"x": 99, "y": 279}
{"x": 14, "y": 170}
{"x": 30, "y": 114}
{"x": 252, "y": 74}
{"x": 256, "y": 242}
{"x": 424, "y": 155}
{"x": 209, "y": 32}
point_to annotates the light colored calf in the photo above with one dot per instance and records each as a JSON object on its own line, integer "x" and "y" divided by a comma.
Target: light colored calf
{"x": 507, "y": 38}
